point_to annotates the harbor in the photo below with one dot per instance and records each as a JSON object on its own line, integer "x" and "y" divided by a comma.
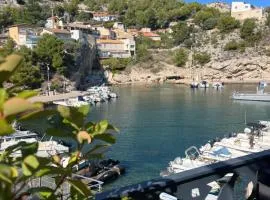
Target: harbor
{"x": 144, "y": 112}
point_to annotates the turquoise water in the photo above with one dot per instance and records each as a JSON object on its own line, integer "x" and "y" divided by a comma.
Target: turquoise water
{"x": 158, "y": 123}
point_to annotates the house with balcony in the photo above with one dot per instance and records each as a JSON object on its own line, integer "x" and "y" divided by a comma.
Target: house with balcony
{"x": 23, "y": 34}
{"x": 146, "y": 32}
{"x": 242, "y": 11}
{"x": 127, "y": 39}
{"x": 114, "y": 48}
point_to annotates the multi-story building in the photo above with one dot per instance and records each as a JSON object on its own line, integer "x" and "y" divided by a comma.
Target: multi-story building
{"x": 23, "y": 34}
{"x": 115, "y": 48}
{"x": 59, "y": 33}
{"x": 242, "y": 11}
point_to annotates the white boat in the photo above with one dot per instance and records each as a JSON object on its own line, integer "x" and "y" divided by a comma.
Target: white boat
{"x": 72, "y": 102}
{"x": 113, "y": 95}
{"x": 194, "y": 84}
{"x": 218, "y": 85}
{"x": 237, "y": 145}
{"x": 45, "y": 148}
{"x": 204, "y": 84}
{"x": 260, "y": 95}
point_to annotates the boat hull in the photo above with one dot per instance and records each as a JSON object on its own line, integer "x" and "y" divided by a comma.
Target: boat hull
{"x": 252, "y": 97}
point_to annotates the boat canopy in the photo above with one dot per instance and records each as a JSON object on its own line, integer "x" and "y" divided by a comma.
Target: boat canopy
{"x": 256, "y": 125}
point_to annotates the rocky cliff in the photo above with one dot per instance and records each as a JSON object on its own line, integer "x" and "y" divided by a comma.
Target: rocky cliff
{"x": 250, "y": 65}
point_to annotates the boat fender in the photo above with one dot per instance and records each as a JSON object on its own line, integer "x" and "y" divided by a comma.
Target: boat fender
{"x": 165, "y": 196}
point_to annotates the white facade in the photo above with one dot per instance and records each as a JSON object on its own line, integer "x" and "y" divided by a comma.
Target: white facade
{"x": 119, "y": 25}
{"x": 53, "y": 22}
{"x": 240, "y": 6}
{"x": 123, "y": 48}
{"x": 76, "y": 34}
{"x": 104, "y": 17}
{"x": 242, "y": 11}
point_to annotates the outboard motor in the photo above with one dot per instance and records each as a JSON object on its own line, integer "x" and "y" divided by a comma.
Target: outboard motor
{"x": 247, "y": 131}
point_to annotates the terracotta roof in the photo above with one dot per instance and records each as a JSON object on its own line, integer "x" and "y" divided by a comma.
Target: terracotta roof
{"x": 53, "y": 17}
{"x": 21, "y": 25}
{"x": 57, "y": 30}
{"x": 109, "y": 42}
{"x": 150, "y": 34}
{"x": 102, "y": 14}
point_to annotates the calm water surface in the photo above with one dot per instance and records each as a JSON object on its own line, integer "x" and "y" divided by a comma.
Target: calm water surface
{"x": 158, "y": 123}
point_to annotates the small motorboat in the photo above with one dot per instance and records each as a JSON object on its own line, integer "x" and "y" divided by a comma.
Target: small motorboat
{"x": 194, "y": 84}
{"x": 204, "y": 84}
{"x": 218, "y": 85}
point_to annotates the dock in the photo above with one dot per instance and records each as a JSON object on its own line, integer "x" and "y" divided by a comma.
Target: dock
{"x": 57, "y": 97}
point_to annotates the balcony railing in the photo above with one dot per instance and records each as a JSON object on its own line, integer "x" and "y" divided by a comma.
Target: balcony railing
{"x": 194, "y": 184}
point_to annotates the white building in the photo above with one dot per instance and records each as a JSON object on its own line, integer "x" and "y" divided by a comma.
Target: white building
{"x": 54, "y": 22}
{"x": 104, "y": 17}
{"x": 118, "y": 25}
{"x": 242, "y": 11}
{"x": 76, "y": 34}
{"x": 124, "y": 48}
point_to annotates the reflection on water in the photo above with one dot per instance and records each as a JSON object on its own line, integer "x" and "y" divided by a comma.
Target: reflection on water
{"x": 158, "y": 123}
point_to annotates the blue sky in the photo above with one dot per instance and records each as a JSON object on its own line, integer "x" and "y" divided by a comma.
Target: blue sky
{"x": 254, "y": 2}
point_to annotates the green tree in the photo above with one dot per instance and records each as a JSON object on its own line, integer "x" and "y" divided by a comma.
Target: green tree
{"x": 71, "y": 7}
{"x": 227, "y": 24}
{"x": 84, "y": 16}
{"x": 250, "y": 32}
{"x": 142, "y": 53}
{"x": 8, "y": 48}
{"x": 28, "y": 75}
{"x": 50, "y": 50}
{"x": 181, "y": 32}
{"x": 205, "y": 14}
{"x": 6, "y": 18}
{"x": 180, "y": 57}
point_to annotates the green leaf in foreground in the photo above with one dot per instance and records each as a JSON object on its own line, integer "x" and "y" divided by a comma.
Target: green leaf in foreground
{"x": 106, "y": 137}
{"x": 80, "y": 187}
{"x": 30, "y": 163}
{"x": 6, "y": 128}
{"x": 43, "y": 192}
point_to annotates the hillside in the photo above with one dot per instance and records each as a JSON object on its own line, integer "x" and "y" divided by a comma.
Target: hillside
{"x": 247, "y": 64}
{"x": 195, "y": 41}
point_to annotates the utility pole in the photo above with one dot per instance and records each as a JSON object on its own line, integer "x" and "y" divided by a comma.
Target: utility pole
{"x": 48, "y": 81}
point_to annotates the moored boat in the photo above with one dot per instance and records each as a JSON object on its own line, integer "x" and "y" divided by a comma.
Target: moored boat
{"x": 260, "y": 95}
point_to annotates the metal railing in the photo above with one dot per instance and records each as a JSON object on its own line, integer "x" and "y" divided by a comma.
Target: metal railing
{"x": 196, "y": 183}
{"x": 64, "y": 189}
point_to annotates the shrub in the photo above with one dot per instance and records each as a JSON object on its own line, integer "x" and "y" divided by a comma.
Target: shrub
{"x": 116, "y": 64}
{"x": 227, "y": 24}
{"x": 250, "y": 32}
{"x": 202, "y": 58}
{"x": 180, "y": 57}
{"x": 210, "y": 23}
{"x": 233, "y": 46}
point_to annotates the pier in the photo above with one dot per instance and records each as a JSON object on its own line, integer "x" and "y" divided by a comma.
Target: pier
{"x": 50, "y": 98}
{"x": 193, "y": 184}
